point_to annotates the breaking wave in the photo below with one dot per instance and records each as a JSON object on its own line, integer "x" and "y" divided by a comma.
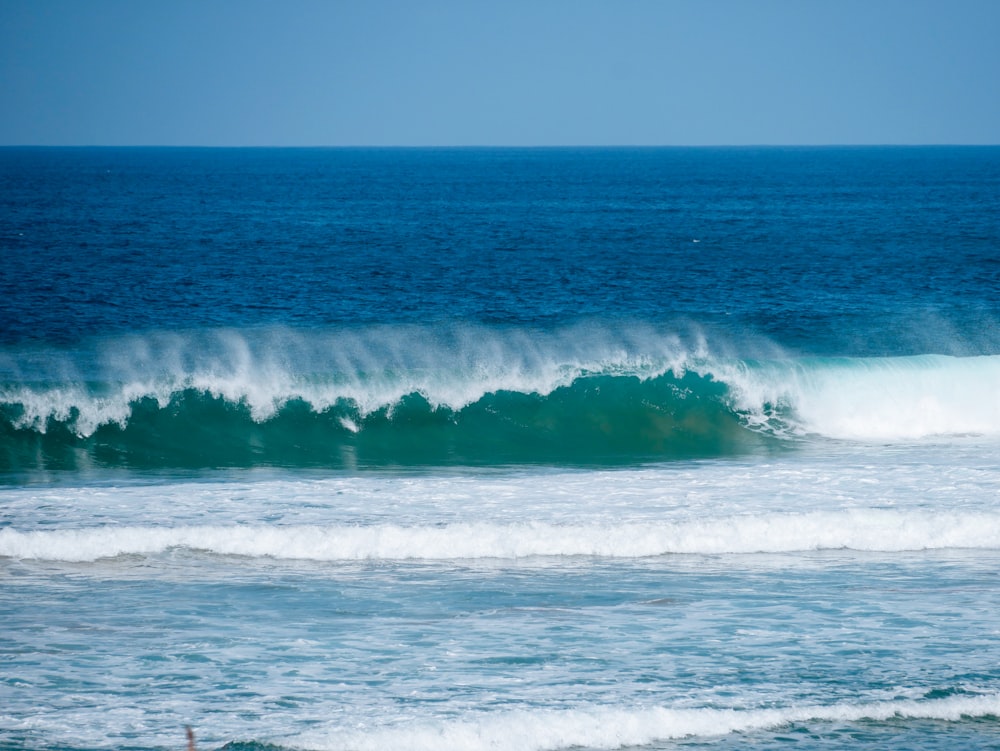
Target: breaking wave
{"x": 457, "y": 396}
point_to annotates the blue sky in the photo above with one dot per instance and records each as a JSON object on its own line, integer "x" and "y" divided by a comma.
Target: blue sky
{"x": 588, "y": 72}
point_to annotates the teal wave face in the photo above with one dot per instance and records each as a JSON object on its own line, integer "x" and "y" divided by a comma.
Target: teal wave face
{"x": 594, "y": 420}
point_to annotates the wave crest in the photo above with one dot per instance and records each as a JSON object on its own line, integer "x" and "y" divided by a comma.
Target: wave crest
{"x": 405, "y": 395}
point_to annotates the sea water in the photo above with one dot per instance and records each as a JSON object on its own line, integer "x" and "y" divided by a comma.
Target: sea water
{"x": 534, "y": 449}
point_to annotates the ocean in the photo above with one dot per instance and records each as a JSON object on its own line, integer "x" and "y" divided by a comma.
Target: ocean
{"x": 500, "y": 449}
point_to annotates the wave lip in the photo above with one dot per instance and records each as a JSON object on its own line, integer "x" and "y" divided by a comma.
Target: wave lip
{"x": 373, "y": 368}
{"x": 861, "y": 530}
{"x": 608, "y": 728}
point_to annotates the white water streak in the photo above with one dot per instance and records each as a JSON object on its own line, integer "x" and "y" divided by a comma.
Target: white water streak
{"x": 609, "y": 728}
{"x": 859, "y": 529}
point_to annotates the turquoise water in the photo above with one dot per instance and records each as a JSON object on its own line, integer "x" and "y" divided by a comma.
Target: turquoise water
{"x": 499, "y": 449}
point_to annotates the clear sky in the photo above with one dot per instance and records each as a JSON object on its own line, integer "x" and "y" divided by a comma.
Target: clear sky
{"x": 499, "y": 72}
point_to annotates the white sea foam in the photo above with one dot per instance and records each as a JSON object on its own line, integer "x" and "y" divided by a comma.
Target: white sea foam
{"x": 876, "y": 399}
{"x": 858, "y": 529}
{"x": 611, "y": 728}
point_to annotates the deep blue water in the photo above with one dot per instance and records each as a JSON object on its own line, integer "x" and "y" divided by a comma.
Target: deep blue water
{"x": 520, "y": 449}
{"x": 833, "y": 251}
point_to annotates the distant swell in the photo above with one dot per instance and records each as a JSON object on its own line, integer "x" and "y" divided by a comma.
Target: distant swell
{"x": 863, "y": 530}
{"x": 404, "y": 396}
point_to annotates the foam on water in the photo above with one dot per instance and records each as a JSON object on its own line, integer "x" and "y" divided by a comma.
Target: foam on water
{"x": 873, "y": 399}
{"x": 863, "y": 530}
{"x": 613, "y": 728}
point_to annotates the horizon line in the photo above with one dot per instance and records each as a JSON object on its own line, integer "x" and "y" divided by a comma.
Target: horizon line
{"x": 498, "y": 146}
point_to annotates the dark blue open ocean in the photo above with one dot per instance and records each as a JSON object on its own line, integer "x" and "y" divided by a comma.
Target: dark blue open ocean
{"x": 500, "y": 449}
